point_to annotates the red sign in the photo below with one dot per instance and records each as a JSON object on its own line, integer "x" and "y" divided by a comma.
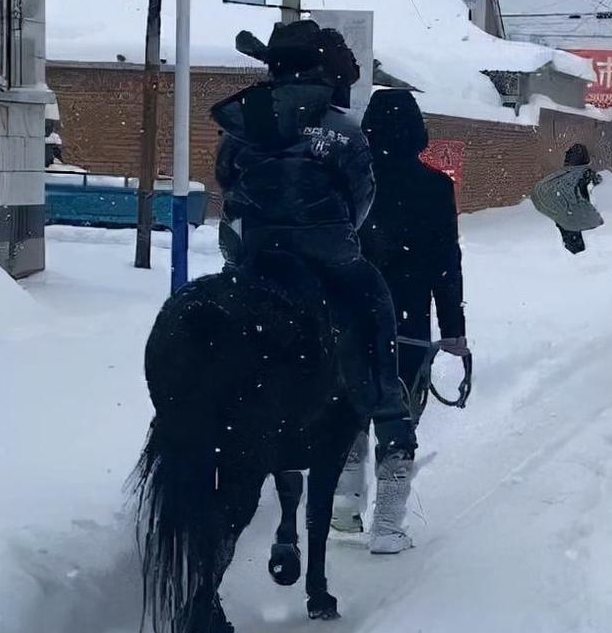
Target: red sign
{"x": 447, "y": 156}
{"x": 600, "y": 92}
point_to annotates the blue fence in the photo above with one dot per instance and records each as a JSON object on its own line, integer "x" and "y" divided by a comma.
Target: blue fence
{"x": 81, "y": 199}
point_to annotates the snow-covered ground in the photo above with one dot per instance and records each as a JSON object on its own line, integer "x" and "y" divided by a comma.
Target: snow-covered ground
{"x": 512, "y": 510}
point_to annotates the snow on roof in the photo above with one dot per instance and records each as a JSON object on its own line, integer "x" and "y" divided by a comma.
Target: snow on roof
{"x": 498, "y": 54}
{"x": 99, "y": 31}
{"x": 431, "y": 45}
{"x": 570, "y": 64}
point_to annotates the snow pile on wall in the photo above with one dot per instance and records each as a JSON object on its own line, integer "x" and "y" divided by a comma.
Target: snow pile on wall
{"x": 530, "y": 113}
{"x": 432, "y": 45}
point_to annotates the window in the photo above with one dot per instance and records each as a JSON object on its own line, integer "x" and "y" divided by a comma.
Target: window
{"x": 11, "y": 51}
{"x": 4, "y": 42}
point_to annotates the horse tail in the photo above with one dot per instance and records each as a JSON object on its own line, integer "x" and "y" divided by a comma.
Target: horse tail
{"x": 174, "y": 483}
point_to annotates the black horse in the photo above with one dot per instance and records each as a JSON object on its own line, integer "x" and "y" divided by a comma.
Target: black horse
{"x": 246, "y": 375}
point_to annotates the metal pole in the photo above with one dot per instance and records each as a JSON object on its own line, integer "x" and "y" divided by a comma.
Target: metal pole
{"x": 148, "y": 150}
{"x": 182, "y": 94}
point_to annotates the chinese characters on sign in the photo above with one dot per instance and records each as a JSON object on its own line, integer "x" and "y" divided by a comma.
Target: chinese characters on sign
{"x": 447, "y": 156}
{"x": 600, "y": 92}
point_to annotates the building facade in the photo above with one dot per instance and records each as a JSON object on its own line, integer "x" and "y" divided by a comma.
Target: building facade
{"x": 100, "y": 108}
{"x": 23, "y": 98}
{"x": 101, "y": 112}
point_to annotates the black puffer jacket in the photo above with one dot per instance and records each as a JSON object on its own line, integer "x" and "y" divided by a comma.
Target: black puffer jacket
{"x": 294, "y": 169}
{"x": 411, "y": 233}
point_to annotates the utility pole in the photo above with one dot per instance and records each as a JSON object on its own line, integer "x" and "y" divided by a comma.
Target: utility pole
{"x": 148, "y": 151}
{"x": 182, "y": 98}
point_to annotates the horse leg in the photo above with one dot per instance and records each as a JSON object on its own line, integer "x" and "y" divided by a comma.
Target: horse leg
{"x": 285, "y": 557}
{"x": 239, "y": 494}
{"x": 330, "y": 457}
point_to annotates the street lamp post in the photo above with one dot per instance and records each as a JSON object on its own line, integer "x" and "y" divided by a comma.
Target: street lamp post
{"x": 182, "y": 94}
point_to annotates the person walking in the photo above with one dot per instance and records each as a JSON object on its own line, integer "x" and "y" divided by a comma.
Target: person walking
{"x": 571, "y": 189}
{"x": 411, "y": 236}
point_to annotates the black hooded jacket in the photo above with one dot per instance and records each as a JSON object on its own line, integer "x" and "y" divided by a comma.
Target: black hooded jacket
{"x": 294, "y": 169}
{"x": 411, "y": 233}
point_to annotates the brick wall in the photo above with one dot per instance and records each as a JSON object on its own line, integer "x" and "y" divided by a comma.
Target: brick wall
{"x": 101, "y": 114}
{"x": 499, "y": 166}
{"x": 502, "y": 162}
{"x": 101, "y": 109}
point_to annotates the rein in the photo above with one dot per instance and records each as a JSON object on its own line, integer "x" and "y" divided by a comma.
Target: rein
{"x": 418, "y": 394}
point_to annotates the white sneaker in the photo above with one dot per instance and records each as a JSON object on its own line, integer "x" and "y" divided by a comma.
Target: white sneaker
{"x": 390, "y": 543}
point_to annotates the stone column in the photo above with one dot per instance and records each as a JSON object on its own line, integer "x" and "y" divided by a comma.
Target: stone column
{"x": 22, "y": 148}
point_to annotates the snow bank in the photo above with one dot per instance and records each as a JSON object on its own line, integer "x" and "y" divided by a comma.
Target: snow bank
{"x": 17, "y": 308}
{"x": 202, "y": 240}
{"x": 432, "y": 45}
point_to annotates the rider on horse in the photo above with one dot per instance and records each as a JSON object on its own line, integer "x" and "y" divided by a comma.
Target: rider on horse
{"x": 296, "y": 174}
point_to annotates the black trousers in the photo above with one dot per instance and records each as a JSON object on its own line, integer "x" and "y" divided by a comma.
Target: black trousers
{"x": 360, "y": 287}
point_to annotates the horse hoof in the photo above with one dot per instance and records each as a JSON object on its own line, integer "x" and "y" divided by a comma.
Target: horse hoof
{"x": 285, "y": 564}
{"x": 323, "y": 607}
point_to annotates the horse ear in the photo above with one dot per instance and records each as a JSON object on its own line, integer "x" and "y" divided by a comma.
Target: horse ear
{"x": 248, "y": 44}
